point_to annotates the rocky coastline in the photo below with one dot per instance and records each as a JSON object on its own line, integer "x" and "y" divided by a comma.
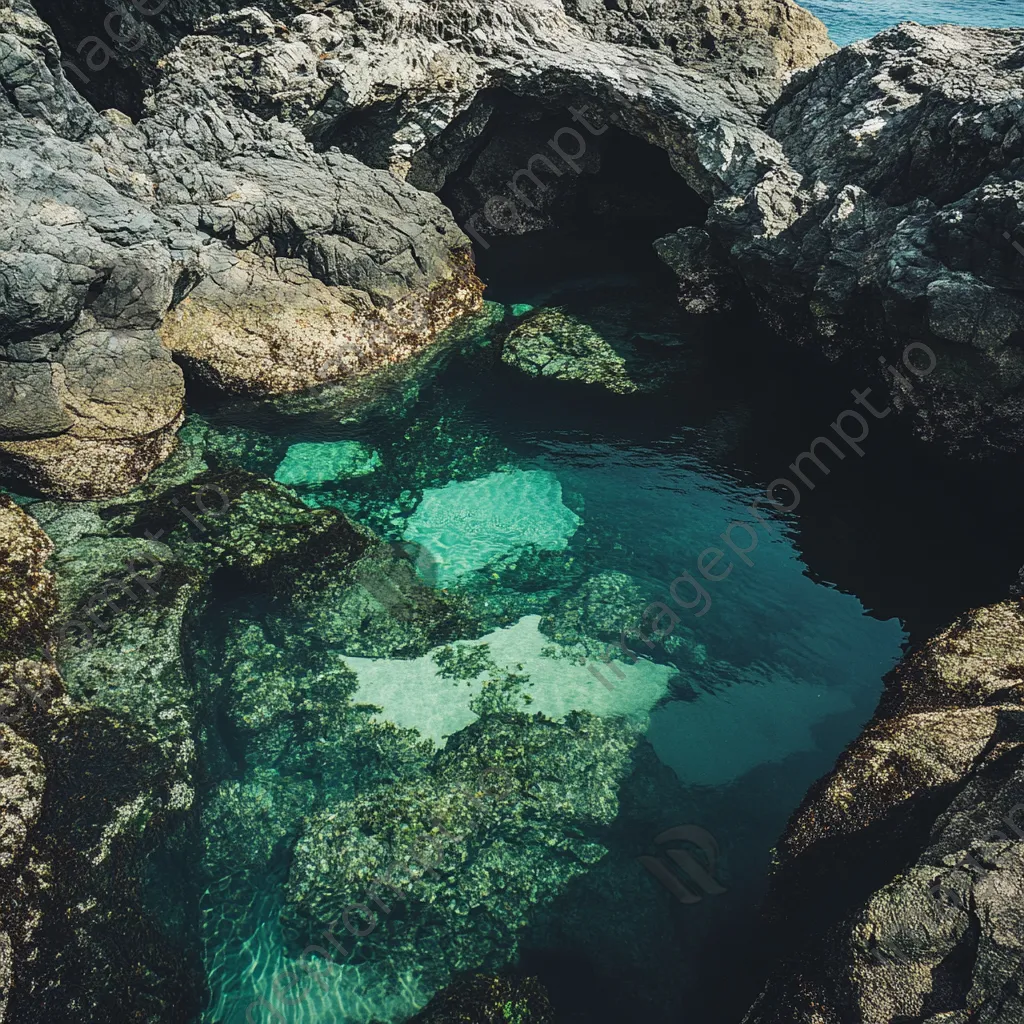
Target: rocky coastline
{"x": 259, "y": 201}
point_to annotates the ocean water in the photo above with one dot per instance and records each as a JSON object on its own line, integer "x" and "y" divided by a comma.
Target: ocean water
{"x": 850, "y": 20}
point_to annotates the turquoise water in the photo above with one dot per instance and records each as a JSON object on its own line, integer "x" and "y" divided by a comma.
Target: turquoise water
{"x": 559, "y": 511}
{"x": 850, "y": 20}
{"x": 552, "y": 514}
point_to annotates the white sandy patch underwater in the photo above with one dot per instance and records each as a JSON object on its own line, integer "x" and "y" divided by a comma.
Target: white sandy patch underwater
{"x": 465, "y": 525}
{"x": 413, "y": 694}
{"x": 311, "y": 463}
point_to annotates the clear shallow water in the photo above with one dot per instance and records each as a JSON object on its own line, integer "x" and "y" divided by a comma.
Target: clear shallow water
{"x": 850, "y": 20}
{"x": 613, "y": 497}
{"x": 558, "y": 512}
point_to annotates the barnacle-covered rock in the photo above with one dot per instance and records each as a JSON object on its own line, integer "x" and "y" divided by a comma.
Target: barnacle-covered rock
{"x": 28, "y": 597}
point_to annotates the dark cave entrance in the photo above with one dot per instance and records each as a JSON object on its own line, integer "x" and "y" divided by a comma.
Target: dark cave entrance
{"x": 551, "y": 193}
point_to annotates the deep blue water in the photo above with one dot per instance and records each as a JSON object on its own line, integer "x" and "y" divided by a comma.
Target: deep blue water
{"x": 850, "y": 20}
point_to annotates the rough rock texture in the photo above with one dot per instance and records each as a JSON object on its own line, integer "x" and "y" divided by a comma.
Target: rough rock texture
{"x": 387, "y": 81}
{"x": 898, "y": 885}
{"x": 28, "y": 597}
{"x": 499, "y": 824}
{"x": 605, "y": 349}
{"x": 690, "y": 30}
{"x": 897, "y": 216}
{"x": 72, "y": 826}
{"x": 707, "y": 284}
{"x": 203, "y": 229}
{"x": 99, "y": 765}
{"x": 237, "y": 223}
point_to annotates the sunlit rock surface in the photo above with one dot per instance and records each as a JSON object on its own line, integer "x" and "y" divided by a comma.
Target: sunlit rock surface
{"x": 265, "y": 265}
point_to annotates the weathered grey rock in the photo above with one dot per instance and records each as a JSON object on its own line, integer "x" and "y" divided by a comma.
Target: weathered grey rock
{"x": 391, "y": 81}
{"x": 223, "y": 226}
{"x": 204, "y": 230}
{"x": 898, "y": 885}
{"x": 895, "y": 218}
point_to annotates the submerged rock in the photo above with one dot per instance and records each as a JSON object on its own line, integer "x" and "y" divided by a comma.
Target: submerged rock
{"x": 899, "y": 882}
{"x": 494, "y": 829}
{"x": 606, "y": 347}
{"x": 484, "y": 999}
{"x": 85, "y": 793}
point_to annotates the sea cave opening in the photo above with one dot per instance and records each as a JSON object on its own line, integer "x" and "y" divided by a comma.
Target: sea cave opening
{"x": 549, "y": 192}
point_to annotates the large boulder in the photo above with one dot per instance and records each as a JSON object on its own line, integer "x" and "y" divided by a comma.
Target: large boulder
{"x": 203, "y": 231}
{"x": 892, "y": 228}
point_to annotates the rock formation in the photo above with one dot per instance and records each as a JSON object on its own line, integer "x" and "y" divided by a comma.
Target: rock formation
{"x": 76, "y": 825}
{"x": 203, "y": 229}
{"x": 897, "y": 216}
{"x": 898, "y": 885}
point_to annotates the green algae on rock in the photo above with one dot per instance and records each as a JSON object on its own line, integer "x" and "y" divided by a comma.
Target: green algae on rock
{"x": 238, "y": 520}
{"x": 465, "y": 525}
{"x": 597, "y": 617}
{"x": 552, "y": 343}
{"x": 603, "y": 348}
{"x": 495, "y": 828}
{"x": 86, "y": 795}
{"x": 378, "y": 606}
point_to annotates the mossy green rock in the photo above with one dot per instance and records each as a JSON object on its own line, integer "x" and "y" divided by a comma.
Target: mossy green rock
{"x": 236, "y": 519}
{"x": 497, "y": 826}
{"x": 607, "y": 347}
{"x": 245, "y": 821}
{"x": 28, "y": 596}
{"x": 488, "y": 999}
{"x": 553, "y": 343}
